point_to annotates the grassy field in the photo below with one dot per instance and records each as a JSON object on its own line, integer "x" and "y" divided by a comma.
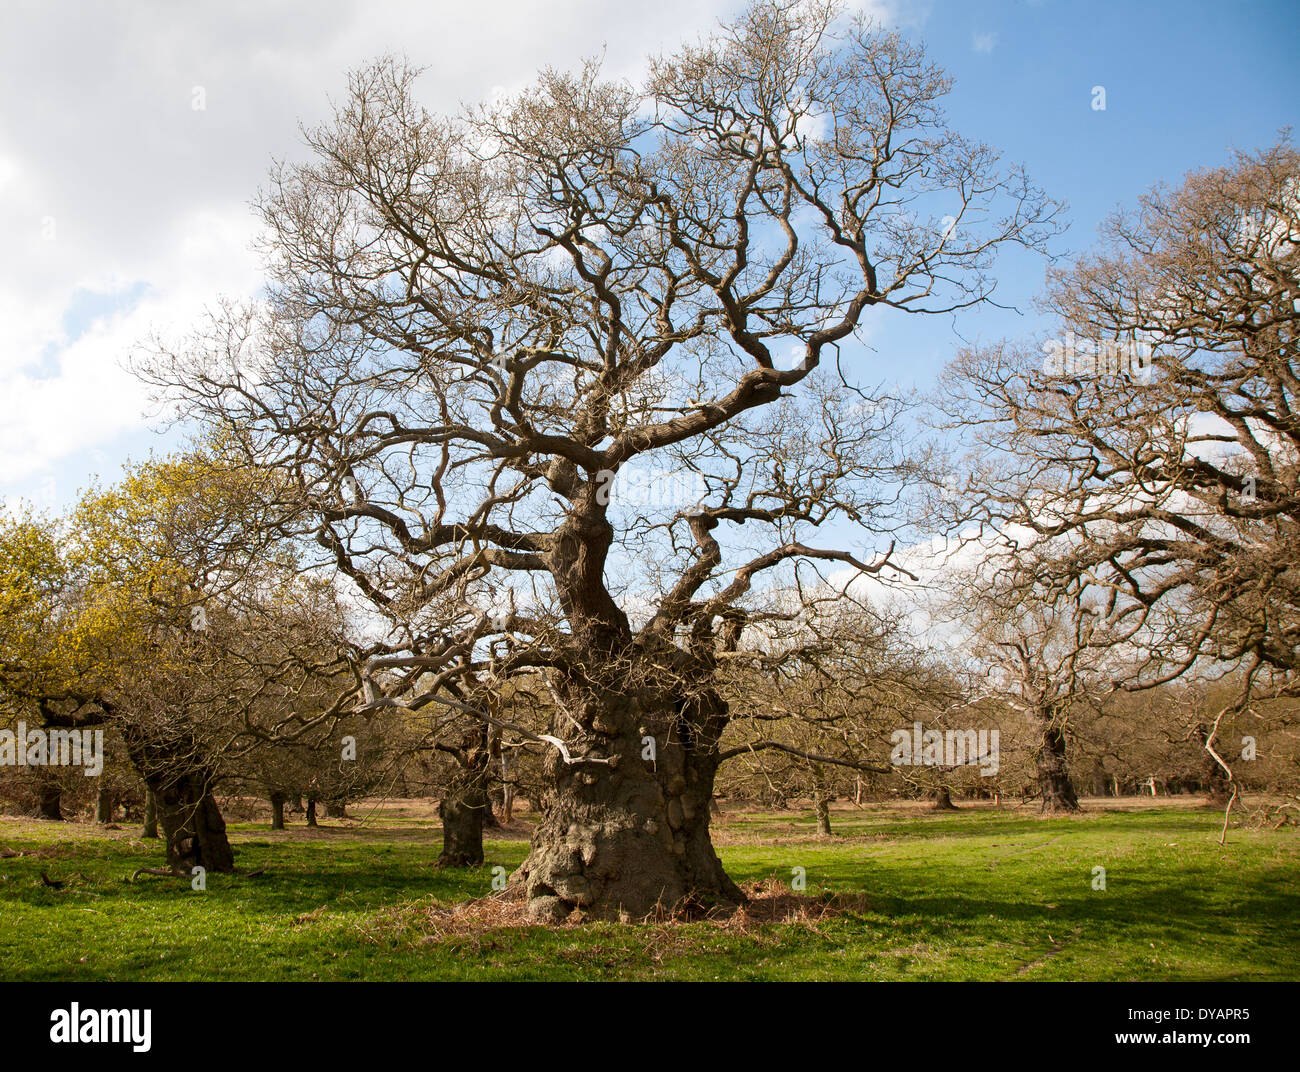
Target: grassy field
{"x": 980, "y": 893}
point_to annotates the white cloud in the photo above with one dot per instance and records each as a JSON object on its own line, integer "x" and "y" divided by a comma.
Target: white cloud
{"x": 984, "y": 42}
{"x": 147, "y": 198}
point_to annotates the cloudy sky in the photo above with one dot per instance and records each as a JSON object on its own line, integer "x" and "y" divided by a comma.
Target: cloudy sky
{"x": 133, "y": 135}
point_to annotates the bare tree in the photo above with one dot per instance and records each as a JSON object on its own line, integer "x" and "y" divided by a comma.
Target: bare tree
{"x": 813, "y": 711}
{"x": 1042, "y": 651}
{"x": 1157, "y": 435}
{"x": 482, "y": 328}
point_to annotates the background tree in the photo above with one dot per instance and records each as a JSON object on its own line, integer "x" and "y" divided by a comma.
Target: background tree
{"x": 334, "y": 763}
{"x": 158, "y": 611}
{"x": 34, "y": 586}
{"x": 1042, "y": 651}
{"x": 1157, "y": 435}
{"x": 812, "y": 711}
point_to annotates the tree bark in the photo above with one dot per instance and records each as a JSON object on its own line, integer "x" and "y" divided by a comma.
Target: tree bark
{"x": 943, "y": 799}
{"x": 624, "y": 838}
{"x": 311, "y": 811}
{"x": 192, "y": 826}
{"x": 462, "y": 810}
{"x": 150, "y": 814}
{"x": 49, "y": 801}
{"x": 822, "y": 805}
{"x": 1054, "y": 785}
{"x": 104, "y": 805}
{"x": 507, "y": 792}
{"x": 277, "y": 810}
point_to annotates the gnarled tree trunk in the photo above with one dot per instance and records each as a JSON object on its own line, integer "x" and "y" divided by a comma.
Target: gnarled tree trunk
{"x": 191, "y": 823}
{"x": 105, "y": 805}
{"x": 49, "y": 799}
{"x": 465, "y": 805}
{"x": 943, "y": 799}
{"x": 192, "y": 826}
{"x": 625, "y": 835}
{"x": 278, "y": 801}
{"x": 1054, "y": 783}
{"x": 462, "y": 810}
{"x": 822, "y": 805}
{"x": 150, "y": 814}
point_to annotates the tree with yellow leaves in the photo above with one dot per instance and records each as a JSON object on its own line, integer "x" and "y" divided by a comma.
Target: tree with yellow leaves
{"x": 161, "y": 607}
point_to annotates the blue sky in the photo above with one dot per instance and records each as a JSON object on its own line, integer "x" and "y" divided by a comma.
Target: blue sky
{"x": 1186, "y": 84}
{"x": 146, "y": 197}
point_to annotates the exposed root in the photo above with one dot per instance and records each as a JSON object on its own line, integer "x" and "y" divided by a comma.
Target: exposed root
{"x": 60, "y": 883}
{"x": 176, "y": 872}
{"x": 164, "y": 872}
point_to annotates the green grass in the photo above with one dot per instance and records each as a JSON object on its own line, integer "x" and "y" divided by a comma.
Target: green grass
{"x": 974, "y": 894}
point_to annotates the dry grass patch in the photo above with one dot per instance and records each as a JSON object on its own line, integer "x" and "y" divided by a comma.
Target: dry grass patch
{"x": 770, "y": 901}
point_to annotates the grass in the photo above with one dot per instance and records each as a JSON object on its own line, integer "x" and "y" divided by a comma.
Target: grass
{"x": 981, "y": 893}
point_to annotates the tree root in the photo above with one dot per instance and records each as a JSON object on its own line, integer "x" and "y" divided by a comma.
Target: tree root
{"x": 60, "y": 883}
{"x": 169, "y": 872}
{"x": 165, "y": 872}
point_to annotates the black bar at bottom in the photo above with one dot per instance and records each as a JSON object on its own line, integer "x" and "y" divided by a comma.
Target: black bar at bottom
{"x": 337, "y": 1021}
